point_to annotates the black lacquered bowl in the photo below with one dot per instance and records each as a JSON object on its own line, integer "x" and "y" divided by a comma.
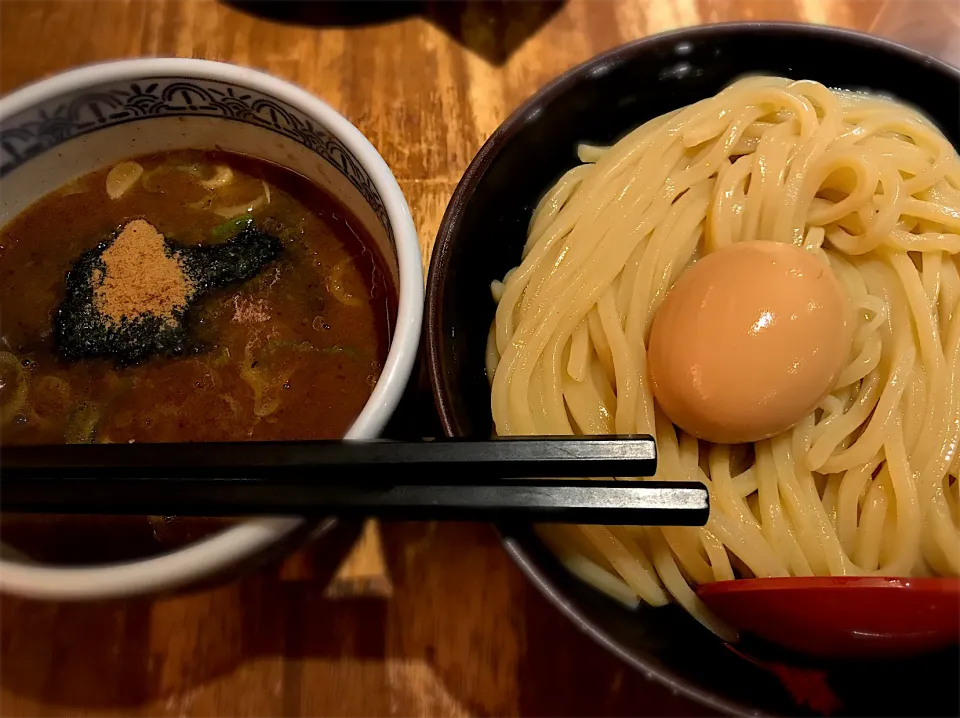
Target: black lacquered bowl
{"x": 481, "y": 237}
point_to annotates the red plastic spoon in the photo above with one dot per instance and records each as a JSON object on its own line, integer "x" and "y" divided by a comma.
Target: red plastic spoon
{"x": 842, "y": 617}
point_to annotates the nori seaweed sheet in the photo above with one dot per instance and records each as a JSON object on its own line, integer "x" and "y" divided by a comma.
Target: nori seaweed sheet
{"x": 81, "y": 331}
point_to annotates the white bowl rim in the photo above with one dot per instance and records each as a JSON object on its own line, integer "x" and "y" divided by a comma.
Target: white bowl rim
{"x": 230, "y": 546}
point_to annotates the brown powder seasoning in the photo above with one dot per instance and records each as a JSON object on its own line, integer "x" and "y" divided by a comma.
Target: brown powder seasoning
{"x": 141, "y": 276}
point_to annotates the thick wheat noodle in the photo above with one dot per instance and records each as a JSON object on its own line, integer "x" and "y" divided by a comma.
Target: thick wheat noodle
{"x": 867, "y": 484}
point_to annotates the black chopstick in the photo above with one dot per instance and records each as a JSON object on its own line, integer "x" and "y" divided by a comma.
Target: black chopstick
{"x": 460, "y": 461}
{"x": 540, "y": 500}
{"x": 429, "y": 480}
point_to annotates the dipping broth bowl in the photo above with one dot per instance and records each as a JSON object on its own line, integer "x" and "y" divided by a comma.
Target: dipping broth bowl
{"x": 481, "y": 237}
{"x": 77, "y": 122}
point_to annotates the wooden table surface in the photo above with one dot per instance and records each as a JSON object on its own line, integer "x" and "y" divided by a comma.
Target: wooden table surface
{"x": 437, "y": 621}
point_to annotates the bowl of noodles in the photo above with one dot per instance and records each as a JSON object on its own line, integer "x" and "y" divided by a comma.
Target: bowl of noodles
{"x": 569, "y": 231}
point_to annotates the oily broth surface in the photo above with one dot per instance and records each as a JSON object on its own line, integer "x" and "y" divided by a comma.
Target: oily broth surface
{"x": 291, "y": 354}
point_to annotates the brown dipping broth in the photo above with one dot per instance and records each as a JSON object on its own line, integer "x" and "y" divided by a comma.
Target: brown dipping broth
{"x": 293, "y": 353}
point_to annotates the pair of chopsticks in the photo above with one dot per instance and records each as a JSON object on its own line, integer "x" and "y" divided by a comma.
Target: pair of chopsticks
{"x": 500, "y": 479}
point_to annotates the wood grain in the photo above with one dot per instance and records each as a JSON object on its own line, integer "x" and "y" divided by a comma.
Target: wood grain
{"x": 455, "y": 629}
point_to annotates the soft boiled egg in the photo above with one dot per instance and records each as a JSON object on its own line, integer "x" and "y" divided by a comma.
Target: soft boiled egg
{"x": 748, "y": 341}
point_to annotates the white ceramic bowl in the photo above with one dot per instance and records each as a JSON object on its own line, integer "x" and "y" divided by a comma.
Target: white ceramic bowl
{"x": 84, "y": 119}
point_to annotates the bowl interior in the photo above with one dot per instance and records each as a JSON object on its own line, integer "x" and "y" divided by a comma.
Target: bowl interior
{"x": 482, "y": 235}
